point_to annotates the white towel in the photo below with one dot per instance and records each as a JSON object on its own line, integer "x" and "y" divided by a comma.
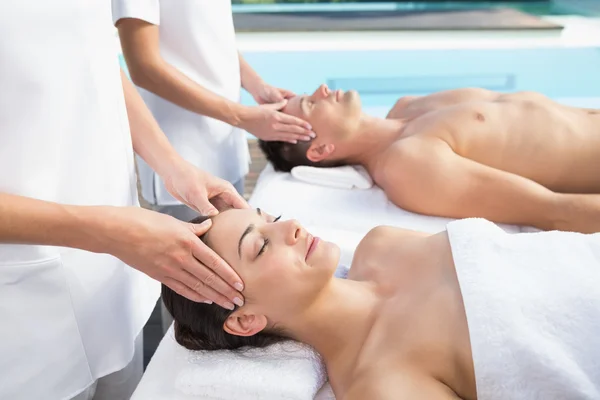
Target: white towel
{"x": 532, "y": 302}
{"x": 346, "y": 177}
{"x": 284, "y": 371}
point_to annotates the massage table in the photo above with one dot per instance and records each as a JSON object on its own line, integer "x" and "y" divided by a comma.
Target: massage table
{"x": 339, "y": 215}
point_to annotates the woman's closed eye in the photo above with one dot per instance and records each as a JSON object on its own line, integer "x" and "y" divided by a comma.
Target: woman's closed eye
{"x": 264, "y": 246}
{"x": 266, "y": 241}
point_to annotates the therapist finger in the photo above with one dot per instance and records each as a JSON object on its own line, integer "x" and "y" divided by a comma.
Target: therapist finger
{"x": 202, "y": 280}
{"x": 288, "y": 138}
{"x": 214, "y": 272}
{"x": 291, "y": 120}
{"x": 298, "y": 130}
{"x": 287, "y": 94}
{"x": 184, "y": 290}
{"x": 200, "y": 287}
{"x": 231, "y": 198}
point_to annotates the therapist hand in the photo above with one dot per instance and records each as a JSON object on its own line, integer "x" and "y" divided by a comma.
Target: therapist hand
{"x": 266, "y": 122}
{"x": 200, "y": 190}
{"x": 264, "y": 93}
{"x": 170, "y": 251}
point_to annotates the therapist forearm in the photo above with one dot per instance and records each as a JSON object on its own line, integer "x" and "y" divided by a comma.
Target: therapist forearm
{"x": 149, "y": 142}
{"x": 250, "y": 78}
{"x": 167, "y": 82}
{"x": 24, "y": 220}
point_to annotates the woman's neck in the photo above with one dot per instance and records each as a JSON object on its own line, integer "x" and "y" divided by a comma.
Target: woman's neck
{"x": 339, "y": 320}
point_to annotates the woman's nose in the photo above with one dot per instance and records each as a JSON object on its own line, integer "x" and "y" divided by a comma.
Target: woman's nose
{"x": 294, "y": 232}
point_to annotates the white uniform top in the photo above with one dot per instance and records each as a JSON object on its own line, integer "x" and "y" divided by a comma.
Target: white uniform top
{"x": 196, "y": 37}
{"x": 67, "y": 317}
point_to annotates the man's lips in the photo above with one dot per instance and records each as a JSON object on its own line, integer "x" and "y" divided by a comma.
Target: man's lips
{"x": 312, "y": 244}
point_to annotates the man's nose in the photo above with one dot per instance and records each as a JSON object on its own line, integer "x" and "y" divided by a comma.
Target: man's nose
{"x": 323, "y": 91}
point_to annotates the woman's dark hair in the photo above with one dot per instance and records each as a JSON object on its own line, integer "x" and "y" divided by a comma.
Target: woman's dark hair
{"x": 199, "y": 326}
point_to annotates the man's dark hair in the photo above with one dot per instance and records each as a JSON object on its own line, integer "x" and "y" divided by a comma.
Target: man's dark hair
{"x": 284, "y": 156}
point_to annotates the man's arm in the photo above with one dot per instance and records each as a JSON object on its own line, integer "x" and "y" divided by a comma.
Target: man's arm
{"x": 147, "y": 68}
{"x": 428, "y": 177}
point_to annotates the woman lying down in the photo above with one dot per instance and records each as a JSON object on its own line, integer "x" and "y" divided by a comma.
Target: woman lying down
{"x": 468, "y": 313}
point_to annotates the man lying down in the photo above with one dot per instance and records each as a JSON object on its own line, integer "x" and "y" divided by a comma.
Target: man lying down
{"x": 468, "y": 313}
{"x": 511, "y": 158}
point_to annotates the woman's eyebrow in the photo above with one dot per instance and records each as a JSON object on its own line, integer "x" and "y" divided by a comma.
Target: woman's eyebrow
{"x": 249, "y": 229}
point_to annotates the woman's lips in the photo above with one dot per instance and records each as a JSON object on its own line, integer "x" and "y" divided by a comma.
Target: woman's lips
{"x": 313, "y": 242}
{"x": 338, "y": 94}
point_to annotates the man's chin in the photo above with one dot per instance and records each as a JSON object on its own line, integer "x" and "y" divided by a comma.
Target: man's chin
{"x": 353, "y": 98}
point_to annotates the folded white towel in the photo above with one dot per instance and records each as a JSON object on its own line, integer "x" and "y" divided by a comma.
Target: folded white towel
{"x": 284, "y": 371}
{"x": 346, "y": 177}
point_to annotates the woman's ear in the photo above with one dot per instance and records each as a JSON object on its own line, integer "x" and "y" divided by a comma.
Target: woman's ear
{"x": 244, "y": 324}
{"x": 316, "y": 153}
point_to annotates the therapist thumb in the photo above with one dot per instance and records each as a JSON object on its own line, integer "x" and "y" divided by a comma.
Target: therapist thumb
{"x": 202, "y": 228}
{"x": 276, "y": 106}
{"x": 205, "y": 208}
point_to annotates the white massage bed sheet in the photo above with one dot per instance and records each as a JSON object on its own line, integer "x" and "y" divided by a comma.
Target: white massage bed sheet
{"x": 351, "y": 210}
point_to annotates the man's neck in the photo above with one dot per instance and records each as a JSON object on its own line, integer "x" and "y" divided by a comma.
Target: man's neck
{"x": 339, "y": 320}
{"x": 372, "y": 138}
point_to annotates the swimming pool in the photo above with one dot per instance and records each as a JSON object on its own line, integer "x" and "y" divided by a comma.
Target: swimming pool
{"x": 385, "y": 66}
{"x": 556, "y": 7}
{"x": 382, "y": 76}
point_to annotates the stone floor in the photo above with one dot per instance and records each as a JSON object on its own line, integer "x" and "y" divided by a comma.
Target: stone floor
{"x": 153, "y": 331}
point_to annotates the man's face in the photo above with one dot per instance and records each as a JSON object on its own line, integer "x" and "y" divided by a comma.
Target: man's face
{"x": 333, "y": 115}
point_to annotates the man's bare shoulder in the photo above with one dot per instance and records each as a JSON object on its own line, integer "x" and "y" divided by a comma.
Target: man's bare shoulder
{"x": 397, "y": 384}
{"x": 408, "y": 153}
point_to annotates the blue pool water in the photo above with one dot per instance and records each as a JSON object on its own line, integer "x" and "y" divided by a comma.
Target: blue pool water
{"x": 557, "y": 7}
{"x": 381, "y": 77}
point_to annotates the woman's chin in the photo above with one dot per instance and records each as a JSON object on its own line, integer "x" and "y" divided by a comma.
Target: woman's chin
{"x": 329, "y": 257}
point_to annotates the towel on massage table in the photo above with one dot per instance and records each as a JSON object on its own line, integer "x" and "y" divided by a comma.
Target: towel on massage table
{"x": 355, "y": 211}
{"x": 286, "y": 371}
{"x": 346, "y": 177}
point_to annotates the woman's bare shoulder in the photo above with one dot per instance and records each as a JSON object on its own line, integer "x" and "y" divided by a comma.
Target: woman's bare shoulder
{"x": 394, "y": 384}
{"x": 380, "y": 245}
